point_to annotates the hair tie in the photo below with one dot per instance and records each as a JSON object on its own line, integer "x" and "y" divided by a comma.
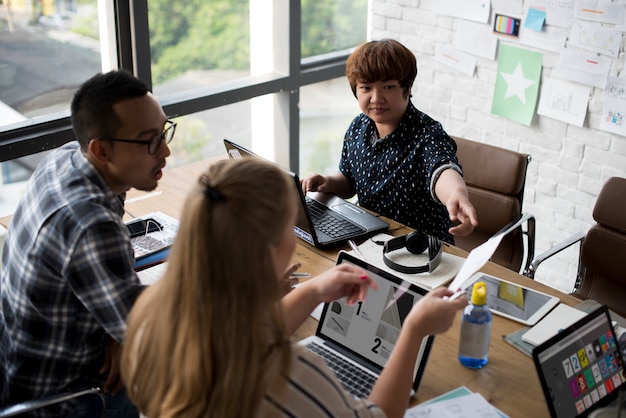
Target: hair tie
{"x": 213, "y": 194}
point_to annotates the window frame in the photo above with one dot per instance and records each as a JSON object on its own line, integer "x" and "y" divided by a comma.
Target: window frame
{"x": 132, "y": 46}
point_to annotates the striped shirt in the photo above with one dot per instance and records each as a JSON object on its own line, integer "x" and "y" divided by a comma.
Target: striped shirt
{"x": 395, "y": 176}
{"x": 67, "y": 279}
{"x": 313, "y": 391}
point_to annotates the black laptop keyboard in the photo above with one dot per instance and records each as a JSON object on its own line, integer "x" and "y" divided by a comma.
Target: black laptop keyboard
{"x": 332, "y": 224}
{"x": 356, "y": 381}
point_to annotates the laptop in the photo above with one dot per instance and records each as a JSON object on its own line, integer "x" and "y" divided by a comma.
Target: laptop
{"x": 324, "y": 220}
{"x": 580, "y": 368}
{"x": 358, "y": 339}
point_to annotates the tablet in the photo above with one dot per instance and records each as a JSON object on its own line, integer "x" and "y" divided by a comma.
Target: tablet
{"x": 513, "y": 301}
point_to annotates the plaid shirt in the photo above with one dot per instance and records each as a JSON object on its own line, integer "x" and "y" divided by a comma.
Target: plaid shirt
{"x": 67, "y": 279}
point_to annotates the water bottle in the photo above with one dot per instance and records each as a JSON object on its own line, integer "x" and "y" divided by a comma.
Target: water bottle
{"x": 475, "y": 329}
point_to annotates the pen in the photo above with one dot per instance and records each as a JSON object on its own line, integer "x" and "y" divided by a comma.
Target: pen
{"x": 299, "y": 275}
{"x": 356, "y": 249}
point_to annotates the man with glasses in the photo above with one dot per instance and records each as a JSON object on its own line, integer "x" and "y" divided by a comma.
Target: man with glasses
{"x": 67, "y": 279}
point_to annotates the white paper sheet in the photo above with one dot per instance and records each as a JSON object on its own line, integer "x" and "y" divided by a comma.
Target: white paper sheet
{"x": 594, "y": 37}
{"x": 476, "y": 10}
{"x": 456, "y": 59}
{"x": 583, "y": 67}
{"x": 614, "y": 112}
{"x": 477, "y": 258}
{"x": 468, "y": 406}
{"x": 476, "y": 38}
{"x": 600, "y": 11}
{"x": 564, "y": 101}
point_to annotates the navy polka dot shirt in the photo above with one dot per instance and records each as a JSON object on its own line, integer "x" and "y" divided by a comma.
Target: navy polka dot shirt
{"x": 395, "y": 176}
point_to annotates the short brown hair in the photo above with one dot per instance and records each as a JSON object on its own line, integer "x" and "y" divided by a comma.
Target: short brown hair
{"x": 383, "y": 60}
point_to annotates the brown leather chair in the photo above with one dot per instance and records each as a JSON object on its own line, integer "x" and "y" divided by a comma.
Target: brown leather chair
{"x": 602, "y": 256}
{"x": 495, "y": 179}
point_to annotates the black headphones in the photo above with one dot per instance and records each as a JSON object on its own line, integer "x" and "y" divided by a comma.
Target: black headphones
{"x": 415, "y": 242}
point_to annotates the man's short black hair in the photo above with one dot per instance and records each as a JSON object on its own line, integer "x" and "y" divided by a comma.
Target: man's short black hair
{"x": 92, "y": 106}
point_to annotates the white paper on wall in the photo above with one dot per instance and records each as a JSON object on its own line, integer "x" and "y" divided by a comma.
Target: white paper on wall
{"x": 551, "y": 38}
{"x": 583, "y": 67}
{"x": 476, "y": 10}
{"x": 476, "y": 38}
{"x": 564, "y": 101}
{"x": 594, "y": 37}
{"x": 614, "y": 112}
{"x": 456, "y": 59}
{"x": 600, "y": 11}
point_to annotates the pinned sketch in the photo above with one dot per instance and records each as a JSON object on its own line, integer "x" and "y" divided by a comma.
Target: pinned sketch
{"x": 614, "y": 112}
{"x": 560, "y": 13}
{"x": 456, "y": 59}
{"x": 600, "y": 11}
{"x": 583, "y": 67}
{"x": 476, "y": 38}
{"x": 593, "y": 37}
{"x": 476, "y": 10}
{"x": 564, "y": 101}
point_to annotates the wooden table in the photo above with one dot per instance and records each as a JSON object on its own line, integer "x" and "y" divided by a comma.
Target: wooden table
{"x": 508, "y": 381}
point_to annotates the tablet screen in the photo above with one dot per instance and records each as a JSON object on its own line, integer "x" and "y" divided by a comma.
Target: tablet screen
{"x": 514, "y": 301}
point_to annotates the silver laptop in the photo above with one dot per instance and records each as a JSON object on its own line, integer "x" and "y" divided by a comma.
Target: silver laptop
{"x": 581, "y": 368}
{"x": 357, "y": 340}
{"x": 324, "y": 220}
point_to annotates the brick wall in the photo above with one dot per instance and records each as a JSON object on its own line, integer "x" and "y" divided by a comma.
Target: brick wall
{"x": 569, "y": 164}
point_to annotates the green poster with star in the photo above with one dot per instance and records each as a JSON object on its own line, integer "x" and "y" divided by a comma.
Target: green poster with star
{"x": 517, "y": 84}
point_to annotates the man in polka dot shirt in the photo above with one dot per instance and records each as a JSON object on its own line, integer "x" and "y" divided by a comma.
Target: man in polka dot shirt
{"x": 399, "y": 161}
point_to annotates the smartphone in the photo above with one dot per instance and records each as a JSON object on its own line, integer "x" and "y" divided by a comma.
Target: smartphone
{"x": 140, "y": 227}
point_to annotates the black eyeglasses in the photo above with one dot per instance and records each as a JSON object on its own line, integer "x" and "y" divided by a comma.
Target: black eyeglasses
{"x": 153, "y": 143}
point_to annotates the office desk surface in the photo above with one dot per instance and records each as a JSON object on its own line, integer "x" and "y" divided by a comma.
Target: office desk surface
{"x": 508, "y": 381}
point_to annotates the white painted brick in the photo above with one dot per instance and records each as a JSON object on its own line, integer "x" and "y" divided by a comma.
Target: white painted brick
{"x": 415, "y": 15}
{"x": 378, "y": 22}
{"x": 408, "y": 3}
{"x": 386, "y": 9}
{"x": 572, "y": 148}
{"x": 569, "y": 163}
{"x": 618, "y": 145}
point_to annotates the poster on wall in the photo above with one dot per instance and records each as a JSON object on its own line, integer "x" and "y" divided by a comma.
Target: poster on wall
{"x": 614, "y": 112}
{"x": 564, "y": 101}
{"x": 517, "y": 84}
{"x": 476, "y": 10}
{"x": 596, "y": 38}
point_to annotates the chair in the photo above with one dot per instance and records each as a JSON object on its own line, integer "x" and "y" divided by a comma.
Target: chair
{"x": 602, "y": 251}
{"x": 28, "y": 406}
{"x": 495, "y": 179}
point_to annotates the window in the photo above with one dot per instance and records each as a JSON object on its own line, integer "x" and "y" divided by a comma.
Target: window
{"x": 205, "y": 61}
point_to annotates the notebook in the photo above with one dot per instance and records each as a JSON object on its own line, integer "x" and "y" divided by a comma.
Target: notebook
{"x": 580, "y": 368}
{"x": 359, "y": 339}
{"x": 324, "y": 220}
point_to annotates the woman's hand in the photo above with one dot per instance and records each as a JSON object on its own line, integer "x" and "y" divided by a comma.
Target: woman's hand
{"x": 344, "y": 280}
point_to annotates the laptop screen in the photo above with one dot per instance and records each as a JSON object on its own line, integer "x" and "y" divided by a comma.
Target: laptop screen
{"x": 303, "y": 227}
{"x": 581, "y": 368}
{"x": 371, "y": 328}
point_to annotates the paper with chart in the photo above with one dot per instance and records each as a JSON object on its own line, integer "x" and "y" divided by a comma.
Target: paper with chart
{"x": 564, "y": 101}
{"x": 614, "y": 107}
